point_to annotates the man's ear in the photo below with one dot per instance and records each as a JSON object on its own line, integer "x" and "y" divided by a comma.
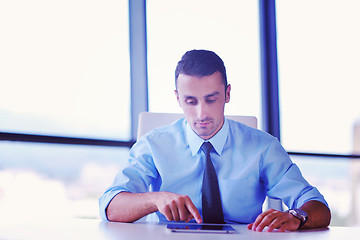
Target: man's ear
{"x": 177, "y": 97}
{"x": 227, "y": 93}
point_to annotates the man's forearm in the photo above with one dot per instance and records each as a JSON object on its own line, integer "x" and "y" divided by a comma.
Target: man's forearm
{"x": 129, "y": 207}
{"x": 318, "y": 214}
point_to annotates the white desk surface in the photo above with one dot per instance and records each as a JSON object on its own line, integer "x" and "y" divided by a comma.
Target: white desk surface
{"x": 96, "y": 229}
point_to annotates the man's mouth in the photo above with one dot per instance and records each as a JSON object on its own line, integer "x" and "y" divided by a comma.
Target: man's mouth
{"x": 203, "y": 123}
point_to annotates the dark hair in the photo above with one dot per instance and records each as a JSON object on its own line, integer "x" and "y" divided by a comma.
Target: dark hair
{"x": 200, "y": 63}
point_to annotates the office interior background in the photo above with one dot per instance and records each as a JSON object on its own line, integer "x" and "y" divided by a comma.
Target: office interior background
{"x": 65, "y": 76}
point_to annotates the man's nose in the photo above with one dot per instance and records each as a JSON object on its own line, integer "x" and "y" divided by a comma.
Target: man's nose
{"x": 202, "y": 111}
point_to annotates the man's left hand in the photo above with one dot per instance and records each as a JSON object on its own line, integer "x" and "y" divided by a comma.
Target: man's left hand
{"x": 274, "y": 219}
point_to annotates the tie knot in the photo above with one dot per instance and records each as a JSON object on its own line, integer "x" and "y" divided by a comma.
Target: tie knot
{"x": 206, "y": 147}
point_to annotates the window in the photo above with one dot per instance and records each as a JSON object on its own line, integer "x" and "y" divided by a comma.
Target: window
{"x": 65, "y": 68}
{"x": 55, "y": 180}
{"x": 230, "y": 28}
{"x": 318, "y": 56}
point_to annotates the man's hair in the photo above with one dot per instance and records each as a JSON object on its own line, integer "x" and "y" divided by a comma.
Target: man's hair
{"x": 200, "y": 63}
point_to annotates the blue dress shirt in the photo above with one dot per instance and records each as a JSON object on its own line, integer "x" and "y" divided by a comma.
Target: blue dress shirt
{"x": 250, "y": 165}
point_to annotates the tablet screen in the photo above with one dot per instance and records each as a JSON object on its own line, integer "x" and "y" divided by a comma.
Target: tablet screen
{"x": 198, "y": 228}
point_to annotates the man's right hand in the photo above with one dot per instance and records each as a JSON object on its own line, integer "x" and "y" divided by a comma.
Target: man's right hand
{"x": 176, "y": 207}
{"x": 129, "y": 207}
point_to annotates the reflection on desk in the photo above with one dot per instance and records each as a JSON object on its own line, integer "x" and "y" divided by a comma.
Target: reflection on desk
{"x": 96, "y": 229}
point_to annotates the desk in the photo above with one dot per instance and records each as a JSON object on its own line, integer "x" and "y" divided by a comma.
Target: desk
{"x": 95, "y": 229}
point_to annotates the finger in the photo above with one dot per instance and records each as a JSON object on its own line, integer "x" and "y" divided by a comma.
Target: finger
{"x": 185, "y": 215}
{"x": 167, "y": 213}
{"x": 190, "y": 216}
{"x": 266, "y": 219}
{"x": 174, "y": 211}
{"x": 276, "y": 224}
{"x": 257, "y": 221}
{"x": 193, "y": 210}
{"x": 249, "y": 226}
{"x": 283, "y": 228}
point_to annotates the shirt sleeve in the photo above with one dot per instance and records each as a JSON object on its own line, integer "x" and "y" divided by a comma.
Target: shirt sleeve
{"x": 283, "y": 179}
{"x": 136, "y": 177}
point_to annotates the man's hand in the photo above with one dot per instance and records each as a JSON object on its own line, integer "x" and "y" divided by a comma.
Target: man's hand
{"x": 319, "y": 216}
{"x": 129, "y": 207}
{"x": 176, "y": 207}
{"x": 275, "y": 220}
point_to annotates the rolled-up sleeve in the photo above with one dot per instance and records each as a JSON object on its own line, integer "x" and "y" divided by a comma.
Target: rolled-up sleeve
{"x": 284, "y": 180}
{"x": 136, "y": 177}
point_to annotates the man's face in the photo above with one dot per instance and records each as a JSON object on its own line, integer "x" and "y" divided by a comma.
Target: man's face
{"x": 203, "y": 100}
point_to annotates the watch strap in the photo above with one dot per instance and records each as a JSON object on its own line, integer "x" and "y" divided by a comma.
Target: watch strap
{"x": 299, "y": 214}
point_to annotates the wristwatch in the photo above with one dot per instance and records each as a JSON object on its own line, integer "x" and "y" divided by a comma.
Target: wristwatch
{"x": 299, "y": 214}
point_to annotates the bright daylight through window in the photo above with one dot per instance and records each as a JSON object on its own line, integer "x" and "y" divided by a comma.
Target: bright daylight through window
{"x": 233, "y": 34}
{"x": 64, "y": 71}
{"x": 319, "y": 79}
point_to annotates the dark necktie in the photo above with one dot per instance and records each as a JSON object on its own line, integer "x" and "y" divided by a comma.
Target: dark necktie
{"x": 211, "y": 201}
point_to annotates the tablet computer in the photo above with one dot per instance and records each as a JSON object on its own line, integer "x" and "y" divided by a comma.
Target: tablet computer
{"x": 200, "y": 228}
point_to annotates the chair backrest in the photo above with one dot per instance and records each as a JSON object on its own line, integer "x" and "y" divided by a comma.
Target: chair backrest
{"x": 151, "y": 120}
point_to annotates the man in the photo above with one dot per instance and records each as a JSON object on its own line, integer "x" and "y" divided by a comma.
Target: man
{"x": 249, "y": 163}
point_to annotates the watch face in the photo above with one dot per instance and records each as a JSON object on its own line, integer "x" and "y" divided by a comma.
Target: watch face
{"x": 299, "y": 214}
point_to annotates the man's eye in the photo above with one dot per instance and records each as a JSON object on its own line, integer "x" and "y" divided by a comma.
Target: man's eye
{"x": 210, "y": 100}
{"x": 190, "y": 101}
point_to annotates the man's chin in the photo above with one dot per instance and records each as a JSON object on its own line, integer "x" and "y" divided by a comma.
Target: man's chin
{"x": 204, "y": 134}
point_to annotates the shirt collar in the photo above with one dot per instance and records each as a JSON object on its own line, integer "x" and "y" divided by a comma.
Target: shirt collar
{"x": 218, "y": 140}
